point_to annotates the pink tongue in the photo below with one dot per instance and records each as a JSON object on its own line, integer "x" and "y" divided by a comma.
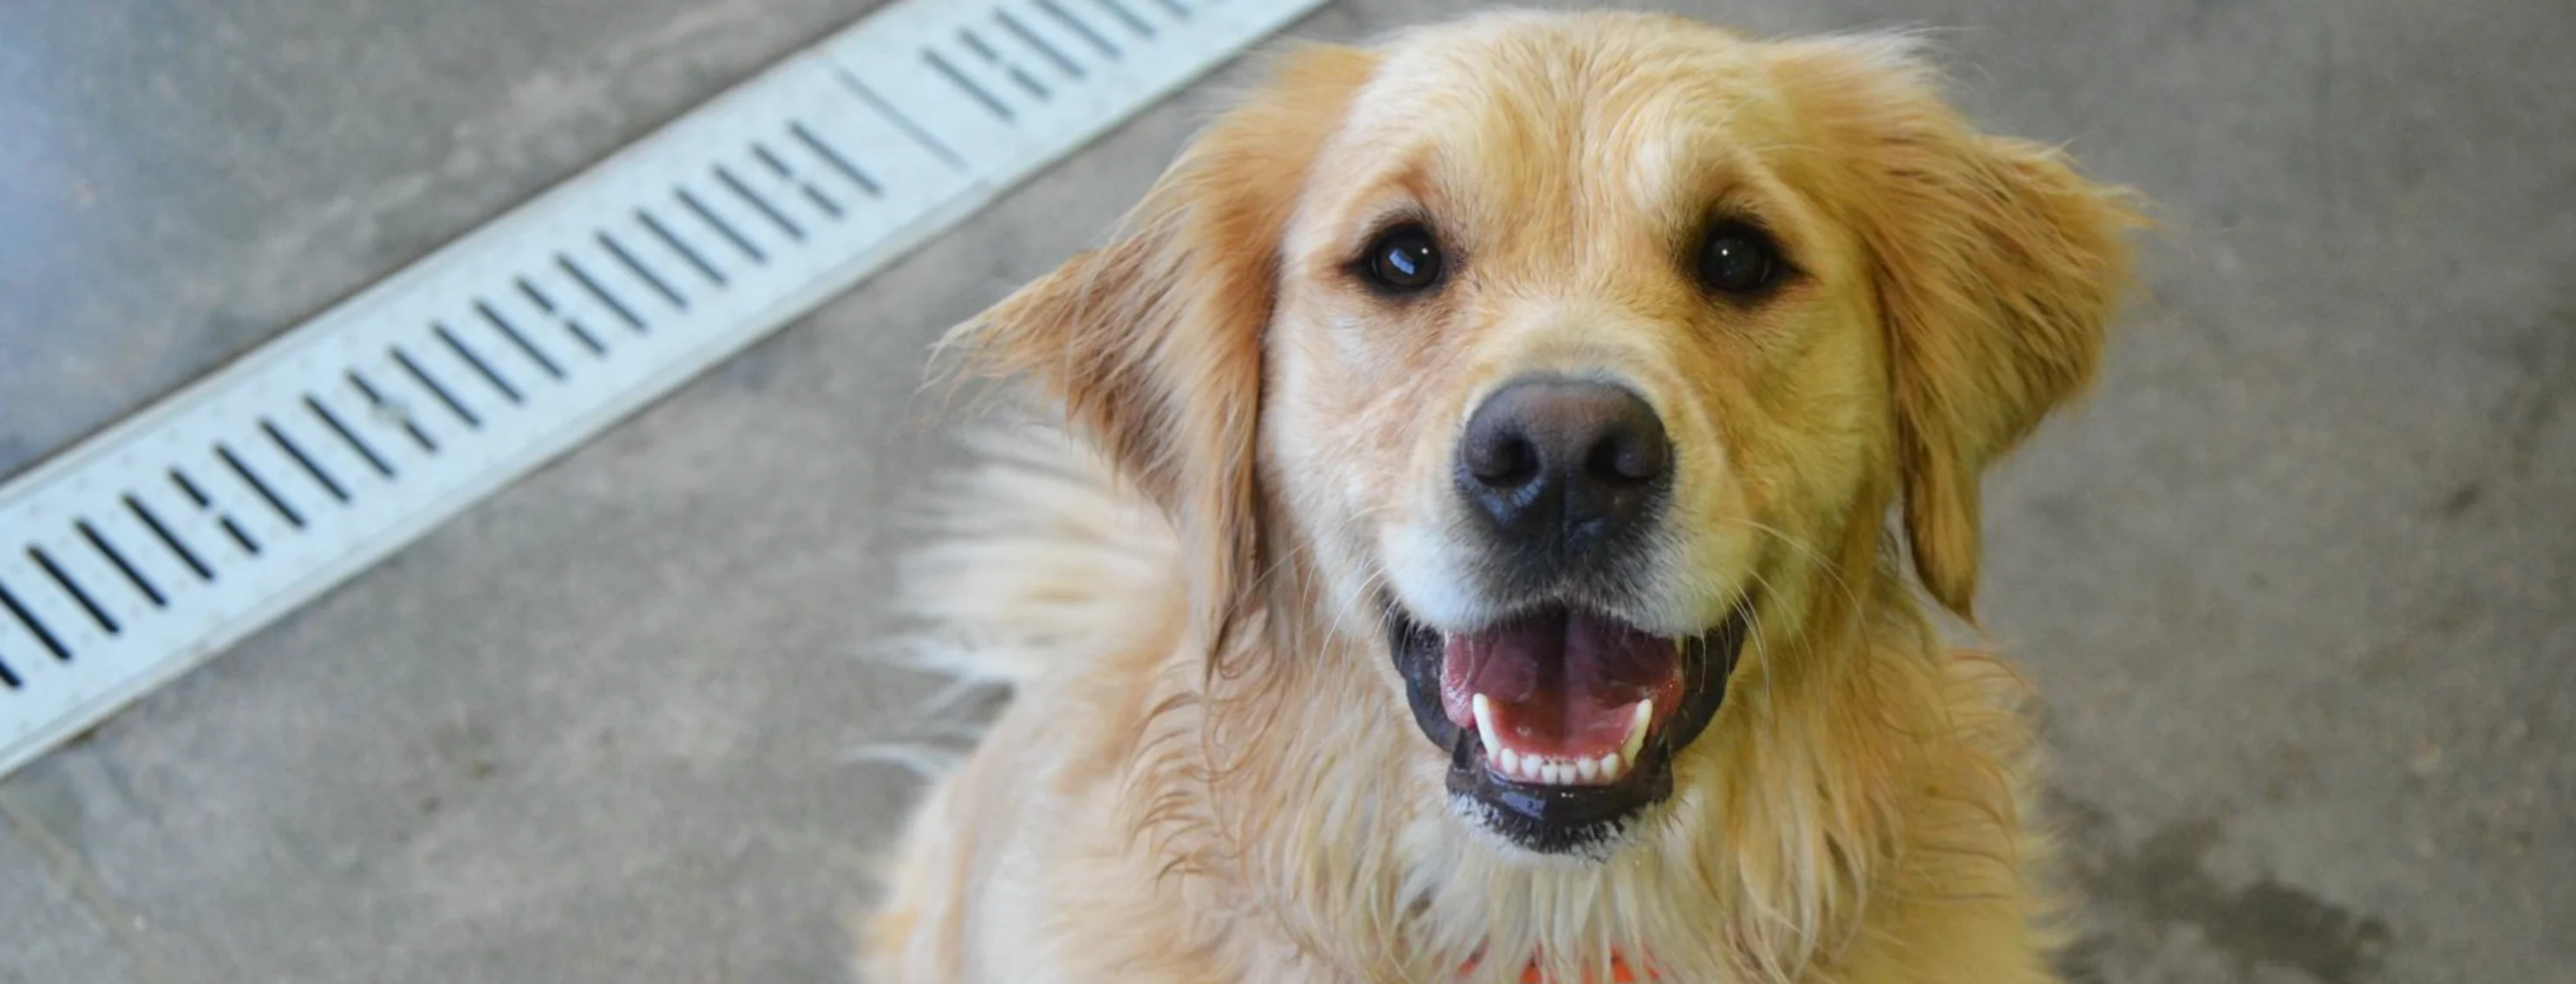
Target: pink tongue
{"x": 1559, "y": 681}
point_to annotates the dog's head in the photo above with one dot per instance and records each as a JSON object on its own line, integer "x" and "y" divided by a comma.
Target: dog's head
{"x": 1572, "y": 351}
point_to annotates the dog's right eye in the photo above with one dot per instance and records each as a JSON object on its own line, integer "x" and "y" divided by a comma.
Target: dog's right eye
{"x": 1402, "y": 260}
{"x": 1738, "y": 259}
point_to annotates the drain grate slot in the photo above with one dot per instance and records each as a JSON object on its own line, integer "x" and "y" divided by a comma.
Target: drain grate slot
{"x": 332, "y": 421}
{"x": 1119, "y": 12}
{"x": 132, "y": 556}
{"x": 722, "y": 227}
{"x": 294, "y": 517}
{"x": 749, "y": 197}
{"x": 33, "y": 624}
{"x": 287, "y": 445}
{"x": 663, "y": 233}
{"x": 70, "y": 587}
{"x": 133, "y": 577}
{"x": 823, "y": 150}
{"x": 642, "y": 273}
{"x": 178, "y": 548}
{"x": 1079, "y": 27}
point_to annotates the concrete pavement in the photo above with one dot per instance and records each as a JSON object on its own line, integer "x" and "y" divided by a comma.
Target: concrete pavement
{"x": 2296, "y": 582}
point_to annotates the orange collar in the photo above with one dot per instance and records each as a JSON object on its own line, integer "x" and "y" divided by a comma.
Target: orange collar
{"x": 1619, "y": 972}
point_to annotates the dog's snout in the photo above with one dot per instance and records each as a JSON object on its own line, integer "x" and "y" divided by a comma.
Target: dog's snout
{"x": 1560, "y": 464}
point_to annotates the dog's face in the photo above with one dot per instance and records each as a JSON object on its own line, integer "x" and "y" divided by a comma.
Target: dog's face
{"x": 1562, "y": 350}
{"x": 1573, "y": 351}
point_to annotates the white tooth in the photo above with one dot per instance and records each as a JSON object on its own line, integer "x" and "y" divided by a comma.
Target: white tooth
{"x": 1531, "y": 770}
{"x": 1559, "y": 774}
{"x": 1485, "y": 726}
{"x": 1508, "y": 763}
{"x": 1588, "y": 768}
{"x": 1637, "y": 730}
{"x": 1610, "y": 767}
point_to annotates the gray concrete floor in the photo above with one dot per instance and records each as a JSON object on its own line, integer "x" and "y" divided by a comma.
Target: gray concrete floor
{"x": 2297, "y": 582}
{"x": 184, "y": 179}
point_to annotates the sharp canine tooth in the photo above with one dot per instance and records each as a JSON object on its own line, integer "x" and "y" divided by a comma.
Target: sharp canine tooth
{"x": 1588, "y": 768}
{"x": 1485, "y": 727}
{"x": 1637, "y": 730}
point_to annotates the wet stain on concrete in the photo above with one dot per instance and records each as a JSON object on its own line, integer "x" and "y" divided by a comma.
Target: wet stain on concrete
{"x": 2546, "y": 358}
{"x": 2462, "y": 499}
{"x": 2166, "y": 881}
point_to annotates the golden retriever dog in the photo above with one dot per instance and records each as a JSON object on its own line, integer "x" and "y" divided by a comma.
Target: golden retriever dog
{"x": 1466, "y": 553}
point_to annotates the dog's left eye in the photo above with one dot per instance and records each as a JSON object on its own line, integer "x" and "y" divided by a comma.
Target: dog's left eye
{"x": 1402, "y": 260}
{"x": 1739, "y": 259}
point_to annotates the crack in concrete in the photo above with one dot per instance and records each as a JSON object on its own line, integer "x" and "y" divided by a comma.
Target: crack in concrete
{"x": 73, "y": 873}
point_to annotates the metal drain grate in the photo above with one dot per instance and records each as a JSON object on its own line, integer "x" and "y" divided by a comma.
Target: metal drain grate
{"x": 132, "y": 557}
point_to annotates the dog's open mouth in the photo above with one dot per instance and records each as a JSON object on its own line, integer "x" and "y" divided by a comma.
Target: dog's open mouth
{"x": 1562, "y": 721}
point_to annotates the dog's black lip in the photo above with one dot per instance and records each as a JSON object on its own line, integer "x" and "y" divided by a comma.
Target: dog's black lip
{"x": 1565, "y": 819}
{"x": 1559, "y": 819}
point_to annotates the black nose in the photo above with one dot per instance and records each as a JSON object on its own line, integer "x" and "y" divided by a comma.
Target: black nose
{"x": 1562, "y": 466}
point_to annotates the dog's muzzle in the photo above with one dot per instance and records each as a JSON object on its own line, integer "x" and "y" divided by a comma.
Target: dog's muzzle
{"x": 1562, "y": 717}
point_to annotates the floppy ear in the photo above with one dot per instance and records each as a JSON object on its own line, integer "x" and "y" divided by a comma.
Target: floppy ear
{"x": 1996, "y": 268}
{"x": 1152, "y": 342}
